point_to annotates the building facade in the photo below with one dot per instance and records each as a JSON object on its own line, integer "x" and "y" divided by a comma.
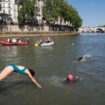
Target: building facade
{"x": 9, "y": 10}
{"x": 40, "y": 14}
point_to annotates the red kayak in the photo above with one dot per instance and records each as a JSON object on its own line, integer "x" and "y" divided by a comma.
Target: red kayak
{"x": 13, "y": 43}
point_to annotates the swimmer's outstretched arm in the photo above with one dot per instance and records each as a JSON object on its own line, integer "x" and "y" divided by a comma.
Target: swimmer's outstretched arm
{"x": 77, "y": 77}
{"x": 33, "y": 79}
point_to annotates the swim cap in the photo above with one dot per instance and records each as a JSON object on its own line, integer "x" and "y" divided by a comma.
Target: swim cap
{"x": 70, "y": 77}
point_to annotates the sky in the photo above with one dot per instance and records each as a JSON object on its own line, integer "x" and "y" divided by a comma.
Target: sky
{"x": 92, "y": 12}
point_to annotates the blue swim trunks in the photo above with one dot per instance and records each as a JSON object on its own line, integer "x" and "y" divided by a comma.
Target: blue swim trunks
{"x": 16, "y": 69}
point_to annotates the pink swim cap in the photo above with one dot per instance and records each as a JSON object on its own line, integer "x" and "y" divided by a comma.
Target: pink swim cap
{"x": 70, "y": 77}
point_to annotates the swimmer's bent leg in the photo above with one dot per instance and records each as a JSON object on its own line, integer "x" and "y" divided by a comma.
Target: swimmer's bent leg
{"x": 6, "y": 71}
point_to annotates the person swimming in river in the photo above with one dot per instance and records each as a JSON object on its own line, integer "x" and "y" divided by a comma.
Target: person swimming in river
{"x": 20, "y": 69}
{"x": 71, "y": 79}
{"x": 81, "y": 58}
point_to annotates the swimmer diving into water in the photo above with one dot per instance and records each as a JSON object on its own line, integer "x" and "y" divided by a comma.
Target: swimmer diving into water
{"x": 20, "y": 69}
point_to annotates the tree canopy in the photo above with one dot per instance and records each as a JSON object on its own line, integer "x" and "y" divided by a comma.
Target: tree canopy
{"x": 27, "y": 11}
{"x": 54, "y": 8}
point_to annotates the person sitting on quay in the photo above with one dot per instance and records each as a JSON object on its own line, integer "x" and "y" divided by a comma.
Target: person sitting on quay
{"x": 20, "y": 69}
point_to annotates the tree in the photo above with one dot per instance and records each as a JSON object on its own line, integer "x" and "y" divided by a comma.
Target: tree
{"x": 54, "y": 8}
{"x": 27, "y": 11}
{"x": 51, "y": 10}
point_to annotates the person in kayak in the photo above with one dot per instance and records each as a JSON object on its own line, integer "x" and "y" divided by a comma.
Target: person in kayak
{"x": 71, "y": 79}
{"x": 17, "y": 39}
{"x": 48, "y": 40}
{"x": 20, "y": 69}
{"x": 39, "y": 42}
{"x": 9, "y": 40}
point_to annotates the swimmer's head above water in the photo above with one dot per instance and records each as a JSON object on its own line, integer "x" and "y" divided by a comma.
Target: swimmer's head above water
{"x": 70, "y": 77}
{"x": 80, "y": 58}
{"x": 32, "y": 72}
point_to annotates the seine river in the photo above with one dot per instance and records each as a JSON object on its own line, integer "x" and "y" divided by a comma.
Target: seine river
{"x": 52, "y": 65}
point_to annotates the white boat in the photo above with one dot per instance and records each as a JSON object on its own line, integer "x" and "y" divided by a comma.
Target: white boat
{"x": 47, "y": 44}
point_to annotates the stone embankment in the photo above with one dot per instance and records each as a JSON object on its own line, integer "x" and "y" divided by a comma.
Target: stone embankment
{"x": 12, "y": 34}
{"x": 52, "y": 30}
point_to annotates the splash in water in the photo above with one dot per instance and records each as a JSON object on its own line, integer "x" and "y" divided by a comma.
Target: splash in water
{"x": 54, "y": 80}
{"x": 82, "y": 58}
{"x": 85, "y": 57}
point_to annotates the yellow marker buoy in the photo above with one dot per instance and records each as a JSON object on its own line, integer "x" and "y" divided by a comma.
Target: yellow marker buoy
{"x": 36, "y": 45}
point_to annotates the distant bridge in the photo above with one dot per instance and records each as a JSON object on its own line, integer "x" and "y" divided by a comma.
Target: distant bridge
{"x": 92, "y": 29}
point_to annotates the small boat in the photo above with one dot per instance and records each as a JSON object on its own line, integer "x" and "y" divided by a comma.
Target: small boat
{"x": 47, "y": 44}
{"x": 13, "y": 43}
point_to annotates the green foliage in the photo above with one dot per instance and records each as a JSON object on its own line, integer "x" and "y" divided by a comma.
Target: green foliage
{"x": 51, "y": 10}
{"x": 27, "y": 10}
{"x": 54, "y": 8}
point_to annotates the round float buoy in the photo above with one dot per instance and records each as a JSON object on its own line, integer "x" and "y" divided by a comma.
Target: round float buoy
{"x": 36, "y": 45}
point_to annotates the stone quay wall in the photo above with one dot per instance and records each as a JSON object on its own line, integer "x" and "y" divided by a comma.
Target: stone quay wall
{"x": 13, "y": 30}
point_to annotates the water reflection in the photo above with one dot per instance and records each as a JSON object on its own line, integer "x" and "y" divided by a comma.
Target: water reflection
{"x": 52, "y": 64}
{"x": 41, "y": 50}
{"x": 9, "y": 53}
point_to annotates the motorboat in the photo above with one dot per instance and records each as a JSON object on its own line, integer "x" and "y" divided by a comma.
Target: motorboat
{"x": 47, "y": 44}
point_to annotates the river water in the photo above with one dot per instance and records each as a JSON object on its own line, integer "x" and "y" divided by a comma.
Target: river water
{"x": 52, "y": 65}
